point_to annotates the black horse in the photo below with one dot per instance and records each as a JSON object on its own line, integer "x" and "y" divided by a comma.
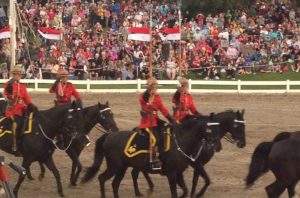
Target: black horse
{"x": 232, "y": 124}
{"x": 174, "y": 161}
{"x": 96, "y": 114}
{"x": 37, "y": 145}
{"x": 3, "y": 104}
{"x": 282, "y": 157}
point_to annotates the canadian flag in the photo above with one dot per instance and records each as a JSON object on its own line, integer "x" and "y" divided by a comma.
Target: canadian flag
{"x": 170, "y": 34}
{"x": 49, "y": 33}
{"x": 139, "y": 34}
{"x": 5, "y": 32}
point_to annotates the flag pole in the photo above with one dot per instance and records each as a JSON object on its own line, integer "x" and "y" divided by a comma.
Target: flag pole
{"x": 150, "y": 48}
{"x": 180, "y": 50}
{"x": 12, "y": 23}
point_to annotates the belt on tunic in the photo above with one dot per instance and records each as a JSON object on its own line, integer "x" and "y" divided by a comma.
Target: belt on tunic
{"x": 13, "y": 102}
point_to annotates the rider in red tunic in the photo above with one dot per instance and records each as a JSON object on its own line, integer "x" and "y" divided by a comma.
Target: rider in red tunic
{"x": 184, "y": 103}
{"x": 151, "y": 103}
{"x": 18, "y": 101}
{"x": 63, "y": 89}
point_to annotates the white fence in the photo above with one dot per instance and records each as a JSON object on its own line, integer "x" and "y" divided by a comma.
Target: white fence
{"x": 168, "y": 86}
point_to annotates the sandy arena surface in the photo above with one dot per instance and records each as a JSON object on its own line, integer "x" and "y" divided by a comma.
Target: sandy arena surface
{"x": 266, "y": 115}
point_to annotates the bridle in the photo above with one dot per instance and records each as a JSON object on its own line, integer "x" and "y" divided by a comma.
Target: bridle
{"x": 203, "y": 142}
{"x": 54, "y": 141}
{"x": 228, "y": 136}
{"x": 98, "y": 126}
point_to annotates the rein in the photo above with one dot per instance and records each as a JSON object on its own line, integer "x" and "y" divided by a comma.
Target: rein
{"x": 101, "y": 129}
{"x": 54, "y": 141}
{"x": 190, "y": 157}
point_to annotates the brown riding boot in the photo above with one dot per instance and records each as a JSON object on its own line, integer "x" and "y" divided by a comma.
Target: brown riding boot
{"x": 14, "y": 133}
{"x": 15, "y": 149}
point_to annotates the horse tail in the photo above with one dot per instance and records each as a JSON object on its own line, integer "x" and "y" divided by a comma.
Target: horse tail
{"x": 259, "y": 164}
{"x": 98, "y": 158}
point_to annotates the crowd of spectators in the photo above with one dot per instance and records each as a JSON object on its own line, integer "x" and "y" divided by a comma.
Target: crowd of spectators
{"x": 263, "y": 37}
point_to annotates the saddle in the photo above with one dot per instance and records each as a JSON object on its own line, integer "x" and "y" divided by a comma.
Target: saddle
{"x": 138, "y": 143}
{"x": 6, "y": 125}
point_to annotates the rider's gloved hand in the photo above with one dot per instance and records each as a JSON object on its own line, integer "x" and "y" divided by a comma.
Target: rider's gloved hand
{"x": 9, "y": 87}
{"x": 80, "y": 104}
{"x": 55, "y": 84}
{"x": 171, "y": 120}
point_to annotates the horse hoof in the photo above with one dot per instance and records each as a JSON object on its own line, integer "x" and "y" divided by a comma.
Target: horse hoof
{"x": 61, "y": 194}
{"x": 72, "y": 185}
{"x": 183, "y": 196}
{"x": 150, "y": 191}
{"x": 198, "y": 195}
{"x": 30, "y": 178}
{"x": 41, "y": 177}
{"x": 139, "y": 194}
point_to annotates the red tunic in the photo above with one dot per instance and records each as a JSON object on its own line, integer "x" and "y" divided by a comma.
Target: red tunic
{"x": 19, "y": 99}
{"x": 183, "y": 107}
{"x": 64, "y": 92}
{"x": 153, "y": 107}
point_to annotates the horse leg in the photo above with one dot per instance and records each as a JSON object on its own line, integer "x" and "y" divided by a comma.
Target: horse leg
{"x": 195, "y": 181}
{"x": 103, "y": 177}
{"x": 75, "y": 164}
{"x": 117, "y": 180}
{"x": 26, "y": 164}
{"x": 43, "y": 171}
{"x": 28, "y": 174}
{"x": 149, "y": 181}
{"x": 181, "y": 183}
{"x": 291, "y": 190}
{"x": 172, "y": 178}
{"x": 275, "y": 189}
{"x": 51, "y": 166}
{"x": 203, "y": 173}
{"x": 135, "y": 175}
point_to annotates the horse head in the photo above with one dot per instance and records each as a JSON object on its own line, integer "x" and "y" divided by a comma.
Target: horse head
{"x": 213, "y": 132}
{"x": 238, "y": 130}
{"x": 105, "y": 117}
{"x": 72, "y": 122}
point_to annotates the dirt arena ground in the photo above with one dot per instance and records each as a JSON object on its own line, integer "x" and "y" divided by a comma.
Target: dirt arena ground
{"x": 266, "y": 115}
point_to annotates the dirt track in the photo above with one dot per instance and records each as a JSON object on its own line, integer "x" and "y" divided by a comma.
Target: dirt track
{"x": 266, "y": 115}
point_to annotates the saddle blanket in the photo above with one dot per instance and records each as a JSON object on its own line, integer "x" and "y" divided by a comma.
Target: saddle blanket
{"x": 139, "y": 143}
{"x": 6, "y": 125}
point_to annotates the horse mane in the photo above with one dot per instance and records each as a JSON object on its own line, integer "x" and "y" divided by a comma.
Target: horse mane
{"x": 228, "y": 111}
{"x": 188, "y": 122}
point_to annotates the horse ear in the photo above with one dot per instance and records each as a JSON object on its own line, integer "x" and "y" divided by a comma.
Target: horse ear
{"x": 211, "y": 116}
{"x": 107, "y": 103}
{"x": 99, "y": 104}
{"x": 243, "y": 112}
{"x": 238, "y": 113}
{"x": 73, "y": 105}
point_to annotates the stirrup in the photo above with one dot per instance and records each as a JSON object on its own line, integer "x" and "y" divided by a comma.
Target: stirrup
{"x": 155, "y": 164}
